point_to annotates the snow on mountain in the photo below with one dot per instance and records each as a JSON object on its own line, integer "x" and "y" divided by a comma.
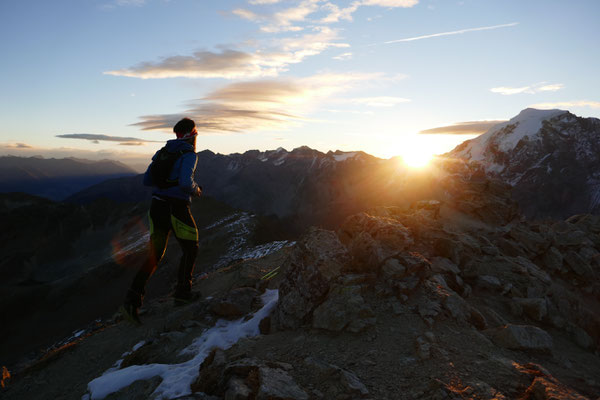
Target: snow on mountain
{"x": 550, "y": 157}
{"x": 505, "y": 136}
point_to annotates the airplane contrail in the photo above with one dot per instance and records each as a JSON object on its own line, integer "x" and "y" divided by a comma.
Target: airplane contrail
{"x": 483, "y": 28}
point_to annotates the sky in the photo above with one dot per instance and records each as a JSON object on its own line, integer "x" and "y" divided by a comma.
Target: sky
{"x": 109, "y": 78}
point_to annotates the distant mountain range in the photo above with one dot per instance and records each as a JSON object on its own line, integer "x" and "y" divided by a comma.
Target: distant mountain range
{"x": 304, "y": 186}
{"x": 56, "y": 179}
{"x": 551, "y": 158}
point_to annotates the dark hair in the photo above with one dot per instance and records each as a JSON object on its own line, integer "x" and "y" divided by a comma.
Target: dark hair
{"x": 184, "y": 126}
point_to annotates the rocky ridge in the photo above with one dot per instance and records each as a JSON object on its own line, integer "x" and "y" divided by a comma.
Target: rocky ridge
{"x": 452, "y": 299}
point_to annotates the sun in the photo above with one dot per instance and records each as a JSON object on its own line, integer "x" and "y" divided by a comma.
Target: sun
{"x": 416, "y": 153}
{"x": 417, "y": 159}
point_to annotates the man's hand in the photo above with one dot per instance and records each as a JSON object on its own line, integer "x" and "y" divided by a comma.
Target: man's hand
{"x": 198, "y": 192}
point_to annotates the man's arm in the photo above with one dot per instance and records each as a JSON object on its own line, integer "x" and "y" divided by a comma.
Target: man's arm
{"x": 186, "y": 174}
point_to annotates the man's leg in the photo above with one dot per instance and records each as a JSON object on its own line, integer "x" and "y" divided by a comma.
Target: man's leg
{"x": 186, "y": 233}
{"x": 160, "y": 227}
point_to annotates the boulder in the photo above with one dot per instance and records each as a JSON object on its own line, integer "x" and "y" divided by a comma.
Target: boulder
{"x": 533, "y": 242}
{"x": 489, "y": 282}
{"x": 392, "y": 269}
{"x": 521, "y": 337}
{"x": 237, "y": 303}
{"x": 276, "y": 384}
{"x": 313, "y": 265}
{"x": 552, "y": 260}
{"x": 534, "y": 308}
{"x": 578, "y": 265}
{"x": 547, "y": 388}
{"x": 338, "y": 383}
{"x": 344, "y": 309}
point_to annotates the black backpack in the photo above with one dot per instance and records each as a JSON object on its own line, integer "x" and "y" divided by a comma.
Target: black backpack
{"x": 161, "y": 167}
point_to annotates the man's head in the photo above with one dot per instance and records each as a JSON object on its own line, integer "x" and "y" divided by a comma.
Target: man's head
{"x": 185, "y": 129}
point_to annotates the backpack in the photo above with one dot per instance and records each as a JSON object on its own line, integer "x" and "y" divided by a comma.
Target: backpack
{"x": 161, "y": 167}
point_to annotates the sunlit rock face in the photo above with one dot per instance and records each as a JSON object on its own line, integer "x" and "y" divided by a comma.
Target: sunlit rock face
{"x": 550, "y": 157}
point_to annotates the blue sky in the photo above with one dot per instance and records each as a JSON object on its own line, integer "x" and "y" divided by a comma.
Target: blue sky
{"x": 259, "y": 74}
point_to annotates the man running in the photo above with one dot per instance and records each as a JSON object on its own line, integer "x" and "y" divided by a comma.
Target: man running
{"x": 172, "y": 174}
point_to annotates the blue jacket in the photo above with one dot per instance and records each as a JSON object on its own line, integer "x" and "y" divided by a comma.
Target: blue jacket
{"x": 183, "y": 170}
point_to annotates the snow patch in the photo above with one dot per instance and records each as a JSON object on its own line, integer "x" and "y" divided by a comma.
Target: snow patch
{"x": 344, "y": 156}
{"x": 177, "y": 378}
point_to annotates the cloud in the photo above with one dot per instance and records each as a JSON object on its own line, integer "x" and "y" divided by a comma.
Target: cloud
{"x": 567, "y": 104}
{"x": 291, "y": 18}
{"x": 483, "y": 28}
{"x": 227, "y": 64}
{"x": 381, "y": 101}
{"x": 233, "y": 64}
{"x": 463, "y": 128}
{"x": 284, "y": 20}
{"x": 390, "y": 3}
{"x": 96, "y": 138}
{"x": 258, "y": 105}
{"x": 343, "y": 56}
{"x": 17, "y": 146}
{"x": 530, "y": 89}
{"x": 260, "y": 2}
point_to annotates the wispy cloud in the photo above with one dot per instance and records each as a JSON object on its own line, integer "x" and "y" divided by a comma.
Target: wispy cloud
{"x": 17, "y": 146}
{"x": 97, "y": 138}
{"x": 459, "y": 32}
{"x": 258, "y": 105}
{"x": 234, "y": 64}
{"x": 292, "y": 18}
{"x": 260, "y": 2}
{"x": 123, "y": 3}
{"x": 568, "y": 104}
{"x": 462, "y": 128}
{"x": 343, "y": 56}
{"x": 381, "y": 101}
{"x": 530, "y": 89}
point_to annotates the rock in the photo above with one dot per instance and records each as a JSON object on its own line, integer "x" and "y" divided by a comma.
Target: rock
{"x": 521, "y": 337}
{"x": 532, "y": 241}
{"x": 392, "y": 269}
{"x": 444, "y": 265}
{"x": 429, "y": 309}
{"x": 390, "y": 236}
{"x": 448, "y": 248}
{"x": 423, "y": 348}
{"x": 344, "y": 309}
{"x": 237, "y": 390}
{"x": 534, "y": 308}
{"x": 477, "y": 319}
{"x": 209, "y": 377}
{"x": 316, "y": 261}
{"x": 547, "y": 388}
{"x": 457, "y": 306}
{"x": 338, "y": 383}
{"x": 237, "y": 303}
{"x": 553, "y": 260}
{"x": 509, "y": 247}
{"x": 276, "y": 384}
{"x": 416, "y": 264}
{"x": 570, "y": 238}
{"x": 366, "y": 252}
{"x": 533, "y": 270}
{"x": 488, "y": 282}
{"x": 581, "y": 337}
{"x": 578, "y": 265}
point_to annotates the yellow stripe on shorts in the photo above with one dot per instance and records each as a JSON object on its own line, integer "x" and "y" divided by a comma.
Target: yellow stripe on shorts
{"x": 184, "y": 231}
